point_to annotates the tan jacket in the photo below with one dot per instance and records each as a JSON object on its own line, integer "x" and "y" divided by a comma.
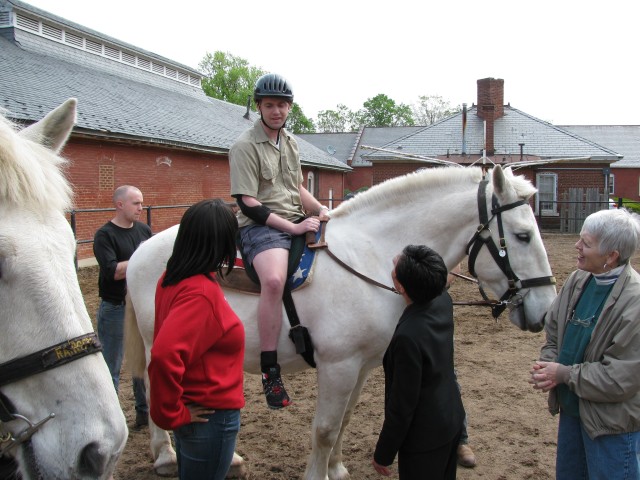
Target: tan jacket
{"x": 608, "y": 381}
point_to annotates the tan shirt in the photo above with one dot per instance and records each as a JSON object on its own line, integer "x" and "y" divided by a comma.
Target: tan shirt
{"x": 272, "y": 176}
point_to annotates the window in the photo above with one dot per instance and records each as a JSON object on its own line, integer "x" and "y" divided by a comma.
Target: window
{"x": 612, "y": 184}
{"x": 310, "y": 183}
{"x": 547, "y": 197}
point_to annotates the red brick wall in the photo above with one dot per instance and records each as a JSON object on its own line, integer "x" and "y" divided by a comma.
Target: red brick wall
{"x": 97, "y": 168}
{"x": 384, "y": 171}
{"x": 626, "y": 183}
{"x": 165, "y": 176}
{"x": 359, "y": 177}
{"x": 328, "y": 181}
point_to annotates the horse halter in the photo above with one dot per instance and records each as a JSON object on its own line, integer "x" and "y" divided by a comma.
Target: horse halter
{"x": 38, "y": 362}
{"x": 499, "y": 254}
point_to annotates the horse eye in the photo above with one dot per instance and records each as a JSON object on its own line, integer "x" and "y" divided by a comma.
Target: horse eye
{"x": 523, "y": 237}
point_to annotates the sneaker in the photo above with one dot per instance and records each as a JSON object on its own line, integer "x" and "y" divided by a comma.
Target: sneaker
{"x": 274, "y": 389}
{"x": 142, "y": 419}
{"x": 466, "y": 457}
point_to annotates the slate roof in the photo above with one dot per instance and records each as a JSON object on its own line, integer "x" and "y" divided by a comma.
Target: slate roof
{"x": 37, "y": 75}
{"x": 346, "y": 146}
{"x": 624, "y": 139}
{"x": 339, "y": 145}
{"x": 541, "y": 139}
{"x": 93, "y": 33}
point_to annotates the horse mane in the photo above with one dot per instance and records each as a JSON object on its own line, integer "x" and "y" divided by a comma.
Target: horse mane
{"x": 31, "y": 175}
{"x": 401, "y": 189}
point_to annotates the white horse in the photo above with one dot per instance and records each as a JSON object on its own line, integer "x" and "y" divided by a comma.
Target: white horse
{"x": 350, "y": 319}
{"x": 59, "y": 414}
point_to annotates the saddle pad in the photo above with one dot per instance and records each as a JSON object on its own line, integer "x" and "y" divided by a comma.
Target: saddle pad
{"x": 244, "y": 278}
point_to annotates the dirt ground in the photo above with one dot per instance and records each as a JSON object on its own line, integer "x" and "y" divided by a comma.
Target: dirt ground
{"x": 510, "y": 429}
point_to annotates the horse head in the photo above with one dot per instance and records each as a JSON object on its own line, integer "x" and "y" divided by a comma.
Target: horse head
{"x": 59, "y": 413}
{"x": 508, "y": 237}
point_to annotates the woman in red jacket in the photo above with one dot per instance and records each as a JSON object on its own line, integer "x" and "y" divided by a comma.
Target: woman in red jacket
{"x": 196, "y": 374}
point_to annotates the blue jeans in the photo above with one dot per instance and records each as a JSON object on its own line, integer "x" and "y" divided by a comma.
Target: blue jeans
{"x": 111, "y": 334}
{"x": 608, "y": 457}
{"x": 205, "y": 450}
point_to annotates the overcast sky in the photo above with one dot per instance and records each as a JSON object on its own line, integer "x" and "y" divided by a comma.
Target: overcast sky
{"x": 564, "y": 61}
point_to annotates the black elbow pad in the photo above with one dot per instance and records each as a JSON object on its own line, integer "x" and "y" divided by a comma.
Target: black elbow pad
{"x": 258, "y": 214}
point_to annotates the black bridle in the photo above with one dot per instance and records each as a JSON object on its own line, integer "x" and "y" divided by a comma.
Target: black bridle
{"x": 38, "y": 362}
{"x": 499, "y": 253}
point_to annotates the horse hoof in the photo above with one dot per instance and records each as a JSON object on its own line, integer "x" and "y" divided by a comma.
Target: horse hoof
{"x": 170, "y": 470}
{"x": 238, "y": 471}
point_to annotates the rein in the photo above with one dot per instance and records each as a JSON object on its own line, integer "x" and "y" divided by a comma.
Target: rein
{"x": 27, "y": 366}
{"x": 499, "y": 254}
{"x": 360, "y": 275}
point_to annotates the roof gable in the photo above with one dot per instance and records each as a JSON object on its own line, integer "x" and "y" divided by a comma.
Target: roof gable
{"x": 538, "y": 138}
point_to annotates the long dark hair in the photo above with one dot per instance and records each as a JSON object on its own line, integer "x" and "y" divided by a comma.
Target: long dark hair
{"x": 206, "y": 241}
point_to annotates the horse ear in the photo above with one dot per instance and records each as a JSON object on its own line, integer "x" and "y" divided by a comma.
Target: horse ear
{"x": 54, "y": 129}
{"x": 501, "y": 184}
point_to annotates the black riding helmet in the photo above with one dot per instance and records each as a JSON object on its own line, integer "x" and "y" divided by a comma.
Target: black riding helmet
{"x": 272, "y": 85}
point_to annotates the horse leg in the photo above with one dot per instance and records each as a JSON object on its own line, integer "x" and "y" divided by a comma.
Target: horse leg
{"x": 336, "y": 468}
{"x": 237, "y": 468}
{"x": 165, "y": 463}
{"x": 336, "y": 382}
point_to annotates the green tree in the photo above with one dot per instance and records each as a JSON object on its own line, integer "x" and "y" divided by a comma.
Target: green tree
{"x": 298, "y": 122}
{"x": 431, "y": 108}
{"x": 382, "y": 111}
{"x": 228, "y": 77}
{"x": 339, "y": 120}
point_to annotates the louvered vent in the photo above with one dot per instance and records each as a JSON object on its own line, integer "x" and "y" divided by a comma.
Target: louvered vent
{"x": 72, "y": 39}
{"x": 28, "y": 23}
{"x": 51, "y": 32}
{"x": 92, "y": 46}
{"x": 128, "y": 58}
{"x": 111, "y": 52}
{"x": 143, "y": 63}
{"x": 98, "y": 48}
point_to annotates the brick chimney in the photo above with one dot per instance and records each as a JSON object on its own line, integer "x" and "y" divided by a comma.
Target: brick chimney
{"x": 490, "y": 105}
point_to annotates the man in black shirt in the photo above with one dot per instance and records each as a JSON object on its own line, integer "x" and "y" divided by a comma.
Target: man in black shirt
{"x": 113, "y": 245}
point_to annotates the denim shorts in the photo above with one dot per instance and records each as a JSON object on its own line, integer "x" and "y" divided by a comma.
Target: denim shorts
{"x": 258, "y": 238}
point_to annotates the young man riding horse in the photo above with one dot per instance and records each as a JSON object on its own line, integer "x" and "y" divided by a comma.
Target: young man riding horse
{"x": 267, "y": 183}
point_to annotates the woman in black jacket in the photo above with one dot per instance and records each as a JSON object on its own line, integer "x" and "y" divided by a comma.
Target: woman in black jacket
{"x": 423, "y": 407}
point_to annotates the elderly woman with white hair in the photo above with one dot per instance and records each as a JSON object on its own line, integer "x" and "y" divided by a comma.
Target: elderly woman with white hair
{"x": 590, "y": 363}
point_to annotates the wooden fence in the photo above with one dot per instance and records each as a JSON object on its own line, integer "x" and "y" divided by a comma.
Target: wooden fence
{"x": 577, "y": 204}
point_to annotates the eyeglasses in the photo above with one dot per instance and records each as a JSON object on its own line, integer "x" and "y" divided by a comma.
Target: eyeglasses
{"x": 586, "y": 322}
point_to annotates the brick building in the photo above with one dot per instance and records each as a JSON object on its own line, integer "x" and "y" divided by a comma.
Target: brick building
{"x": 490, "y": 131}
{"x": 142, "y": 119}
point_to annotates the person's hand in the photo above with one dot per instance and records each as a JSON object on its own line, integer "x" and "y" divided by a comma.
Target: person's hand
{"x": 197, "y": 411}
{"x": 544, "y": 375}
{"x": 386, "y": 471}
{"x": 309, "y": 224}
{"x": 323, "y": 213}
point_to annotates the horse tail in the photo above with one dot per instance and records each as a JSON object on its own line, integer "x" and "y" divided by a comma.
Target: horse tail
{"x": 134, "y": 345}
